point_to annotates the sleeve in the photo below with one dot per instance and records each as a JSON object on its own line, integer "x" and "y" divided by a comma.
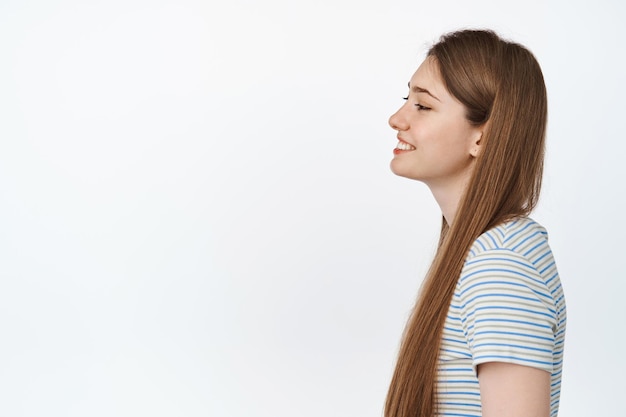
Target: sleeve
{"x": 507, "y": 311}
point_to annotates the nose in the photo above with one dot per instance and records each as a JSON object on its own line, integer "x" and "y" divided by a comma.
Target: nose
{"x": 397, "y": 121}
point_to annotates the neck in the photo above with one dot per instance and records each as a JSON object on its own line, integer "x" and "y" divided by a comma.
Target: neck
{"x": 448, "y": 196}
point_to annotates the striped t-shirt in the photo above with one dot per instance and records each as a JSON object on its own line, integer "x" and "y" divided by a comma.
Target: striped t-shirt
{"x": 508, "y": 306}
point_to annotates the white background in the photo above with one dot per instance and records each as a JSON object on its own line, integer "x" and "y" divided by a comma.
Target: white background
{"x": 197, "y": 216}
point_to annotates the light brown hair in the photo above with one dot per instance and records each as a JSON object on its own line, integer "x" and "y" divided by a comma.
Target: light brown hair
{"x": 501, "y": 85}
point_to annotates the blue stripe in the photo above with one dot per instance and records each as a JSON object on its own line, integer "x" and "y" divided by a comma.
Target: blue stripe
{"x": 512, "y": 357}
{"x": 510, "y": 271}
{"x": 523, "y": 241}
{"x": 518, "y": 297}
{"x": 513, "y": 223}
{"x": 515, "y": 284}
{"x": 464, "y": 354}
{"x": 547, "y": 267}
{"x": 532, "y": 336}
{"x": 458, "y": 404}
{"x": 525, "y": 310}
{"x": 470, "y": 316}
{"x": 537, "y": 260}
{"x": 515, "y": 261}
{"x": 456, "y": 369}
{"x": 475, "y": 394}
{"x": 447, "y": 339}
{"x": 492, "y": 239}
{"x": 512, "y": 235}
{"x": 513, "y": 346}
{"x": 529, "y": 323}
{"x": 549, "y": 280}
{"x": 452, "y": 330}
{"x": 461, "y": 381}
{"x": 529, "y": 251}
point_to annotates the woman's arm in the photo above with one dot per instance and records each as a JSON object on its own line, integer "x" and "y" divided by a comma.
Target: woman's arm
{"x": 510, "y": 390}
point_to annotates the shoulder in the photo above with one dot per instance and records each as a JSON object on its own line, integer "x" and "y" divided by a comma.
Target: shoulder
{"x": 514, "y": 260}
{"x": 511, "y": 266}
{"x": 520, "y": 237}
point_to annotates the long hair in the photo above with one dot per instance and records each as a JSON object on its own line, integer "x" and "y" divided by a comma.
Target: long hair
{"x": 502, "y": 88}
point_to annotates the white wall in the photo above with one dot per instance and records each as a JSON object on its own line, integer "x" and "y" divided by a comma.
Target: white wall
{"x": 197, "y": 216}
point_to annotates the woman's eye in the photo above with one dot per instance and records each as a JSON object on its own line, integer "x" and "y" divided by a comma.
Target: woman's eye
{"x": 419, "y": 106}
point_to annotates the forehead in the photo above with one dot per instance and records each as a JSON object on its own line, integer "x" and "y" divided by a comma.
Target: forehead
{"x": 428, "y": 77}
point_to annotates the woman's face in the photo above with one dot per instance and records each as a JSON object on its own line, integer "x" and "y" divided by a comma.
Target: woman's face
{"x": 436, "y": 143}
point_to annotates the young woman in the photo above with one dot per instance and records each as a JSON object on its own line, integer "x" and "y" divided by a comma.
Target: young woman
{"x": 486, "y": 335}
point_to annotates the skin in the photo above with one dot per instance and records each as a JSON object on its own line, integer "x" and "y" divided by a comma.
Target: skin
{"x": 444, "y": 149}
{"x": 445, "y": 143}
{"x": 510, "y": 390}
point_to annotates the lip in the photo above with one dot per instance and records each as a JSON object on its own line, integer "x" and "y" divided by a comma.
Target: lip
{"x": 397, "y": 151}
{"x": 404, "y": 141}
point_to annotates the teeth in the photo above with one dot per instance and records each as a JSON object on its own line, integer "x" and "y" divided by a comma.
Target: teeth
{"x": 403, "y": 146}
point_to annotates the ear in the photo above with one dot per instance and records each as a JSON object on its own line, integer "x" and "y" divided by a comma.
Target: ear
{"x": 476, "y": 142}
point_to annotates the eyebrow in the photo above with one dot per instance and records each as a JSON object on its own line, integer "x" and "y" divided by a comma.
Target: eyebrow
{"x": 417, "y": 89}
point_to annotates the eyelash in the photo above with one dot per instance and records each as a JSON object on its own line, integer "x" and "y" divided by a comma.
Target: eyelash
{"x": 419, "y": 106}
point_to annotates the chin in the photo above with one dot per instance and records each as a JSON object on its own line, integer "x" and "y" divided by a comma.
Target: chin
{"x": 402, "y": 170}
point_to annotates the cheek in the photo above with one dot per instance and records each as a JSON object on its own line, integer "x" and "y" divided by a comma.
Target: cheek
{"x": 455, "y": 137}
{"x": 438, "y": 138}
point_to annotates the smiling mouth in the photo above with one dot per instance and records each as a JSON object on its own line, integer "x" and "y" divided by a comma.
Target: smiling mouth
{"x": 403, "y": 146}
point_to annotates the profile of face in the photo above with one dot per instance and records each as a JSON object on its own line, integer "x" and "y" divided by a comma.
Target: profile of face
{"x": 436, "y": 143}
